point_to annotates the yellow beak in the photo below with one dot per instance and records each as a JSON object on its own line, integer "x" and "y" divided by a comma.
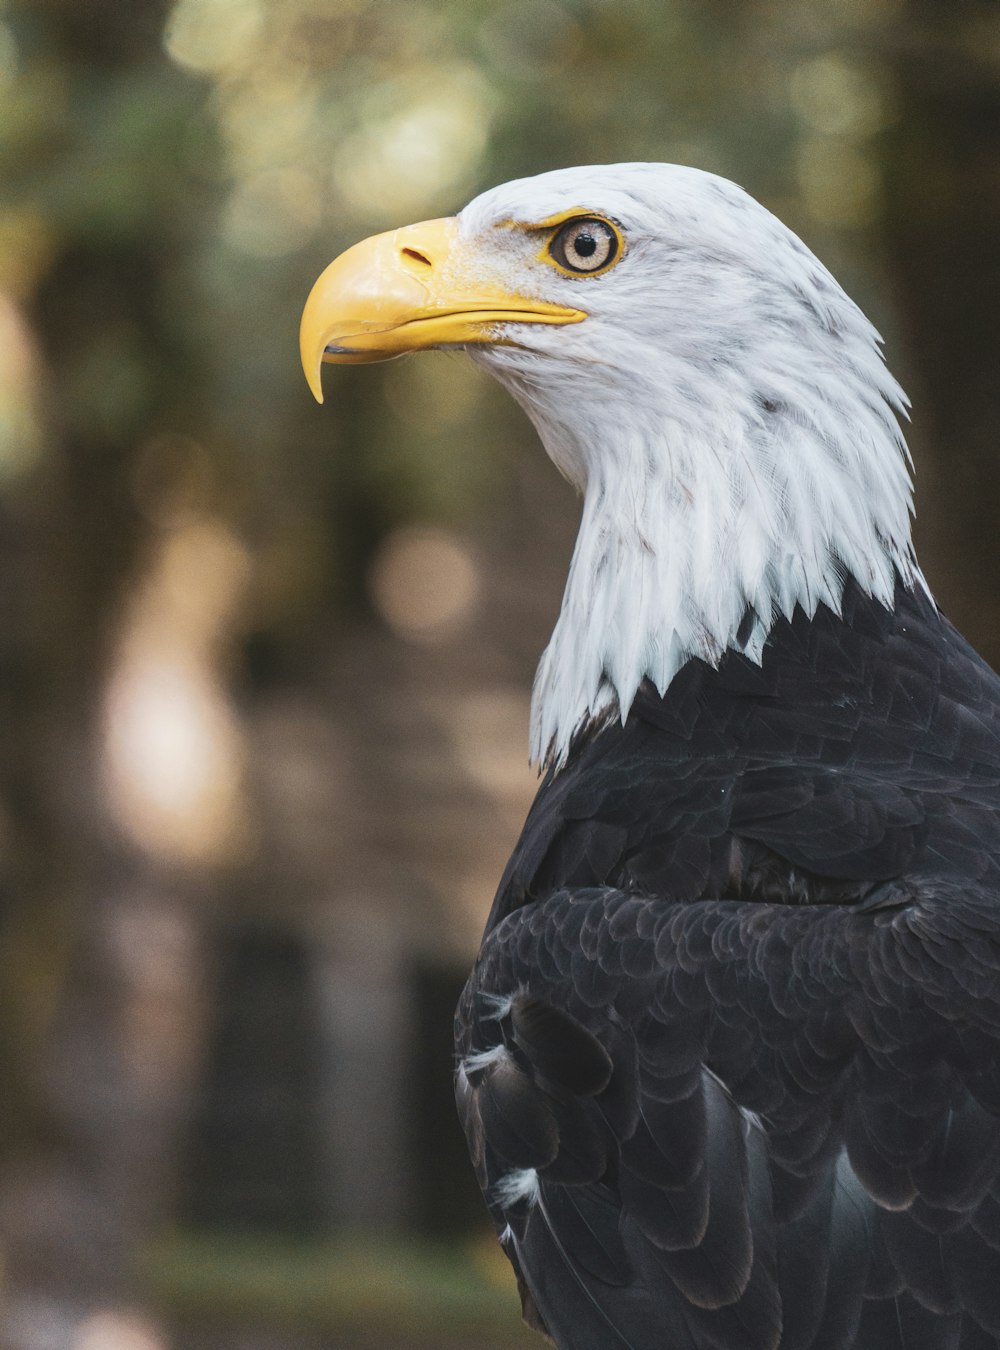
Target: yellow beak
{"x": 403, "y": 291}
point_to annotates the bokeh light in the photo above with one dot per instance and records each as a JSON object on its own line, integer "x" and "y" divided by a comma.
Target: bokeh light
{"x": 21, "y": 440}
{"x": 425, "y": 583}
{"x": 113, "y": 1330}
{"x": 218, "y": 37}
{"x": 429, "y": 140}
{"x": 836, "y": 97}
{"x": 173, "y": 746}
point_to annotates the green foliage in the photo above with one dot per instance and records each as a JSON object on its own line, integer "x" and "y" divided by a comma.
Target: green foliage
{"x": 236, "y": 158}
{"x": 385, "y": 1293}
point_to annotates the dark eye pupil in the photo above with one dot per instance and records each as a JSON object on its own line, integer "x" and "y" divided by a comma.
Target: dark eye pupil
{"x": 585, "y": 245}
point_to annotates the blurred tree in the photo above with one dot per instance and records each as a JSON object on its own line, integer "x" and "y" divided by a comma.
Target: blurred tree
{"x": 98, "y": 206}
{"x": 941, "y": 231}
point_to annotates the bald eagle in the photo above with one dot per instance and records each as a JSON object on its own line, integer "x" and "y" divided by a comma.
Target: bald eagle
{"x": 729, "y": 1059}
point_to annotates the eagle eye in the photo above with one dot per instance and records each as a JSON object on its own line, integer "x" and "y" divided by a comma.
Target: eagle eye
{"x": 585, "y": 245}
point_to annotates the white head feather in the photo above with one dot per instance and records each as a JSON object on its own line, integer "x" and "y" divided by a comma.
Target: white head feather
{"x": 725, "y": 411}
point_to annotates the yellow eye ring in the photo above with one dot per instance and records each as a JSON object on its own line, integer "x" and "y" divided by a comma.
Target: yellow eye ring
{"x": 583, "y": 245}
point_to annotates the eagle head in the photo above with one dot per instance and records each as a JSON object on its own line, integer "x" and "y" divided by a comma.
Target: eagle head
{"x": 693, "y": 369}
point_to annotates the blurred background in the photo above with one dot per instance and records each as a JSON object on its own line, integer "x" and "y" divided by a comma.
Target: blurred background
{"x": 265, "y": 667}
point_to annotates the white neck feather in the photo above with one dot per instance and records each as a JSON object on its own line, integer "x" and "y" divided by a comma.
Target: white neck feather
{"x": 675, "y": 547}
{"x": 705, "y": 497}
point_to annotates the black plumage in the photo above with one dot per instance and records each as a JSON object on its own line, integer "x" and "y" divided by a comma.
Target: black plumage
{"x": 730, "y": 1056}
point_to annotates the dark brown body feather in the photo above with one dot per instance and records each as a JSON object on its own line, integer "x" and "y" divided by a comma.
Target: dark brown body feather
{"x": 738, "y": 1006}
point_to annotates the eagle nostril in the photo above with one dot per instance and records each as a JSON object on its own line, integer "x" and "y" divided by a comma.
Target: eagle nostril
{"x": 417, "y": 256}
